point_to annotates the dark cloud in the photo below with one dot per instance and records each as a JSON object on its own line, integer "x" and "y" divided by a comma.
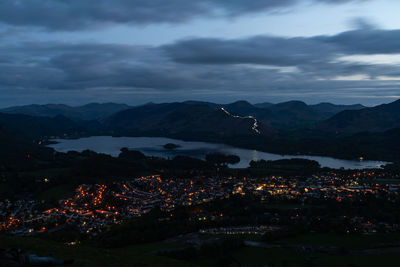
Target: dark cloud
{"x": 366, "y": 41}
{"x": 75, "y": 15}
{"x": 245, "y": 68}
{"x": 257, "y": 50}
{"x": 285, "y": 51}
{"x": 60, "y": 66}
{"x": 318, "y": 56}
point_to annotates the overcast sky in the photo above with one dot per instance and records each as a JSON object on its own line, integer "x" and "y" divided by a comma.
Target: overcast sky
{"x": 138, "y": 51}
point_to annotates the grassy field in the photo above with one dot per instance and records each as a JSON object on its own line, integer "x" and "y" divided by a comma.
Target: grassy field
{"x": 346, "y": 241}
{"x": 290, "y": 206}
{"x": 57, "y": 192}
{"x": 88, "y": 256}
{"x": 355, "y": 255}
{"x": 285, "y": 258}
{"x": 49, "y": 173}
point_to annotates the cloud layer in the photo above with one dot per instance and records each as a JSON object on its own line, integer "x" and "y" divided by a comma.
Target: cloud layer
{"x": 81, "y": 14}
{"x": 253, "y": 66}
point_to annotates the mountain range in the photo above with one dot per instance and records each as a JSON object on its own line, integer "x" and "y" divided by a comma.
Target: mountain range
{"x": 291, "y": 127}
{"x": 92, "y": 111}
{"x": 281, "y": 116}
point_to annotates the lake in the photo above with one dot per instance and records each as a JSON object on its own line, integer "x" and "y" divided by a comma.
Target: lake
{"x": 153, "y": 146}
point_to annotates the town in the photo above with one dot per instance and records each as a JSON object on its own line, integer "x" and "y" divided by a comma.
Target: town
{"x": 96, "y": 206}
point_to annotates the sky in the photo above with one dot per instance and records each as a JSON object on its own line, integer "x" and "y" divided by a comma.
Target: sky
{"x": 137, "y": 51}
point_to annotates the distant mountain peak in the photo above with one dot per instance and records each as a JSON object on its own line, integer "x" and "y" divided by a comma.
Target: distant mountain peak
{"x": 241, "y": 103}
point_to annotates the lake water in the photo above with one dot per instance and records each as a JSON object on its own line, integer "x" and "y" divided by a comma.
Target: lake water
{"x": 153, "y": 146}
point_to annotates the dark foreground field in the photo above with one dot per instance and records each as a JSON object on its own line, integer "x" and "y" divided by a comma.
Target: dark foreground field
{"x": 378, "y": 250}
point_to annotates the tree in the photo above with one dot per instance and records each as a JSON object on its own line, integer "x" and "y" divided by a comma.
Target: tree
{"x": 219, "y": 159}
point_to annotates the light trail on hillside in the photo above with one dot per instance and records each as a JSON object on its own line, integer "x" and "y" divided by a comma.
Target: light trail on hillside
{"x": 255, "y": 122}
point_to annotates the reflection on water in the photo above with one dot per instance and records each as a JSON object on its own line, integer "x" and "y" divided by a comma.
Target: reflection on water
{"x": 254, "y": 155}
{"x": 153, "y": 146}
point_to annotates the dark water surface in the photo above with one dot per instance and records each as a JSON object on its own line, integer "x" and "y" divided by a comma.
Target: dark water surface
{"x": 153, "y": 146}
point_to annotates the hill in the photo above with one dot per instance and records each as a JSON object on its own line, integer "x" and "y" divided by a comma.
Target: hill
{"x": 376, "y": 119}
{"x": 180, "y": 120}
{"x": 288, "y": 115}
{"x": 242, "y": 108}
{"x": 329, "y": 109}
{"x": 41, "y": 127}
{"x": 92, "y": 111}
{"x": 291, "y": 115}
{"x": 18, "y": 151}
